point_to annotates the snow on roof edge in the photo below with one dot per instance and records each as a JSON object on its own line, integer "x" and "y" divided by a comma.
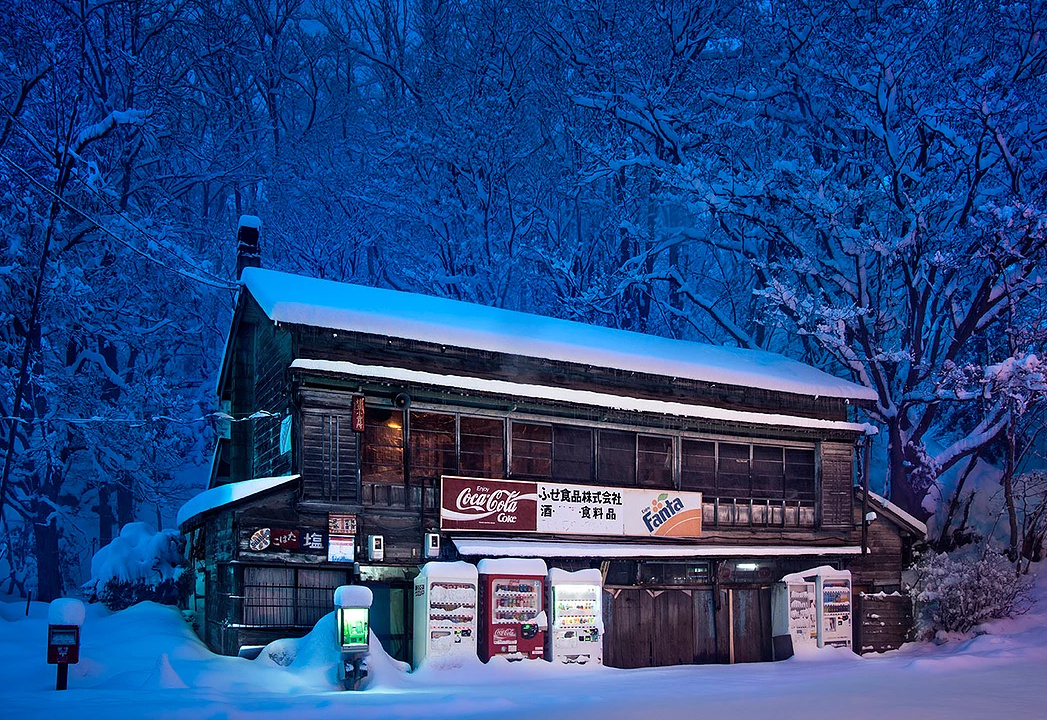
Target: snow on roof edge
{"x": 343, "y": 306}
{"x": 901, "y": 514}
{"x": 567, "y": 549}
{"x": 578, "y": 397}
{"x": 227, "y": 494}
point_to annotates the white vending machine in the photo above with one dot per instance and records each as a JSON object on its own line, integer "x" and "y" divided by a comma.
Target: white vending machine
{"x": 811, "y": 609}
{"x": 834, "y": 608}
{"x": 445, "y": 614}
{"x": 576, "y": 616}
{"x": 794, "y": 618}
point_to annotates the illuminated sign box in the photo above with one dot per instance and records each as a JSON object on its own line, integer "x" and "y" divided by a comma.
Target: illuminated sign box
{"x": 353, "y": 626}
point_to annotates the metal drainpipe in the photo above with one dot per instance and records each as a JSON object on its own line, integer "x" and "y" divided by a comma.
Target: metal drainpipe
{"x": 866, "y": 452}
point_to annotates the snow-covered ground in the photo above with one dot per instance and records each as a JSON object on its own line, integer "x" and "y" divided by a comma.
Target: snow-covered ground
{"x": 146, "y": 662}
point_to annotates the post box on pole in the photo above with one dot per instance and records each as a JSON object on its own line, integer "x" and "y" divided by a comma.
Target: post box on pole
{"x": 64, "y": 619}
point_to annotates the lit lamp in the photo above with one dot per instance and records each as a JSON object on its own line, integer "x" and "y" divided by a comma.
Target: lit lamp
{"x": 353, "y": 614}
{"x": 64, "y": 618}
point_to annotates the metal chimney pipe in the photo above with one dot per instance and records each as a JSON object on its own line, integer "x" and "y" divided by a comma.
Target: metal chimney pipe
{"x": 248, "y": 252}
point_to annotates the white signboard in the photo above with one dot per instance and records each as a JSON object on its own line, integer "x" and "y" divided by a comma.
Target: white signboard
{"x": 586, "y": 510}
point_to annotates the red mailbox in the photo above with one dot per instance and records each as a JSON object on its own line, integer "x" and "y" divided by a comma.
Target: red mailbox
{"x": 63, "y": 644}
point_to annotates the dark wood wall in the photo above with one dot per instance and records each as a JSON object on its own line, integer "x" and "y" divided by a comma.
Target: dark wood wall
{"x": 884, "y": 621}
{"x": 652, "y": 627}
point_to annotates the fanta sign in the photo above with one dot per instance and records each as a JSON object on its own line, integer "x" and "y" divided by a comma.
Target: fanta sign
{"x": 555, "y": 508}
{"x": 668, "y": 516}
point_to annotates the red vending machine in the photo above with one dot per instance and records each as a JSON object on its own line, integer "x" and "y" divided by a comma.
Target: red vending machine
{"x": 512, "y": 616}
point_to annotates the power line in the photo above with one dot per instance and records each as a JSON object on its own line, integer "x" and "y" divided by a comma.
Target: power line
{"x": 216, "y": 283}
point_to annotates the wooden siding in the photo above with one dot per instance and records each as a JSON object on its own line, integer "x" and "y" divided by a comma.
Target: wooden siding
{"x": 884, "y": 622}
{"x": 837, "y": 485}
{"x": 272, "y": 394}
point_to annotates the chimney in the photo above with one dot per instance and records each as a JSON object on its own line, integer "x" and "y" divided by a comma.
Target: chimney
{"x": 248, "y": 253}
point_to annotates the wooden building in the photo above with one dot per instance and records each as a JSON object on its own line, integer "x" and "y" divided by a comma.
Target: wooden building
{"x": 353, "y": 406}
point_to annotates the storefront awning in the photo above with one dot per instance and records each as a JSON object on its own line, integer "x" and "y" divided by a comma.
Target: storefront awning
{"x": 515, "y": 547}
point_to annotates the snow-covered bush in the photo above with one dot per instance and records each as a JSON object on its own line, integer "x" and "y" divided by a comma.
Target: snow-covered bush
{"x": 954, "y": 593}
{"x": 141, "y": 564}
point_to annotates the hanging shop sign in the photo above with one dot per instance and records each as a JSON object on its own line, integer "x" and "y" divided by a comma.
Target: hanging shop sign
{"x": 544, "y": 507}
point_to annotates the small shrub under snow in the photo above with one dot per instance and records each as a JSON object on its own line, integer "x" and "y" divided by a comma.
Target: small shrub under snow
{"x": 956, "y": 593}
{"x": 141, "y": 564}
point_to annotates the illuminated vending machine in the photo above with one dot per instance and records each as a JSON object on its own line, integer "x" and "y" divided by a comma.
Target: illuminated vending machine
{"x": 445, "y": 614}
{"x": 811, "y": 609}
{"x": 576, "y": 627}
{"x": 513, "y": 621}
{"x": 834, "y": 608}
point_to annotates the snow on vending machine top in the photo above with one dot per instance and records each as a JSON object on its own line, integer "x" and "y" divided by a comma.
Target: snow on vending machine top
{"x": 445, "y": 614}
{"x": 810, "y": 609}
{"x": 576, "y": 614}
{"x": 512, "y": 621}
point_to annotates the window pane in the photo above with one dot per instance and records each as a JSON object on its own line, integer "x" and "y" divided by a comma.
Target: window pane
{"x": 698, "y": 466}
{"x": 617, "y": 458}
{"x": 383, "y": 456}
{"x": 733, "y": 475}
{"x": 432, "y": 445}
{"x": 572, "y": 453}
{"x": 482, "y": 446}
{"x": 799, "y": 474}
{"x": 654, "y": 460}
{"x": 768, "y": 472}
{"x": 532, "y": 450}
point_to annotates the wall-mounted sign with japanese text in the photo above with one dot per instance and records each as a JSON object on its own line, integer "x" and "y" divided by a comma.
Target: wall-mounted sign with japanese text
{"x": 341, "y": 525}
{"x": 545, "y": 507}
{"x": 341, "y": 531}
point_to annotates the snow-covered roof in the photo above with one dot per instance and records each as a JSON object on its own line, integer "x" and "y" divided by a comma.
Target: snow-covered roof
{"x": 341, "y": 306}
{"x": 900, "y": 515}
{"x": 564, "y": 549}
{"x": 579, "y": 397}
{"x": 227, "y": 494}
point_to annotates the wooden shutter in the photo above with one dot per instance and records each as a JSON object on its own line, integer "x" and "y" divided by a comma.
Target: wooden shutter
{"x": 837, "y": 485}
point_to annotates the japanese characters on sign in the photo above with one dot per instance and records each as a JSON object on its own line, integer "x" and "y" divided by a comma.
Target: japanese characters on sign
{"x": 545, "y": 507}
{"x": 341, "y": 529}
{"x": 268, "y": 539}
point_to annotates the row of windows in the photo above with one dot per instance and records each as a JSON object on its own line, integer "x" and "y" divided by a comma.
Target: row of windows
{"x": 446, "y": 444}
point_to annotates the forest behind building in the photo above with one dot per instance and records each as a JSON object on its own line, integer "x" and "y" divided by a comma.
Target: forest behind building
{"x": 858, "y": 185}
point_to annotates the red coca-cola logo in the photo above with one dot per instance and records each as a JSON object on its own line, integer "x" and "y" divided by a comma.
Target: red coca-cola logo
{"x": 486, "y": 501}
{"x": 504, "y": 635}
{"x": 479, "y": 504}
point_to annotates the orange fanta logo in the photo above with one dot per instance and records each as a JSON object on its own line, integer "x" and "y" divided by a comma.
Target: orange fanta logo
{"x": 666, "y": 517}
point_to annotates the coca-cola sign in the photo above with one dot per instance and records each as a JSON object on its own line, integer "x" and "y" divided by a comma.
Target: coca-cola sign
{"x": 480, "y": 504}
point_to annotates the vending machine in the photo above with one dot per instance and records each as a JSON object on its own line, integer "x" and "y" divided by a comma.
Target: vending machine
{"x": 794, "y": 618}
{"x": 834, "y": 609}
{"x": 512, "y": 617}
{"x": 811, "y": 609}
{"x": 576, "y": 616}
{"x": 445, "y": 614}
